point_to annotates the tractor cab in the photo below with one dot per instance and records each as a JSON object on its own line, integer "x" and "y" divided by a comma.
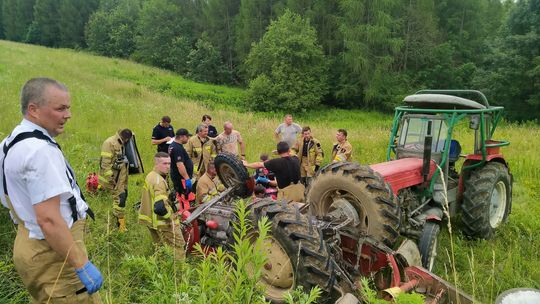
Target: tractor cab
{"x": 424, "y": 129}
{"x": 413, "y": 132}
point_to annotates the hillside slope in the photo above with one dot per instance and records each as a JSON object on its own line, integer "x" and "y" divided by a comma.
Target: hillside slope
{"x": 109, "y": 94}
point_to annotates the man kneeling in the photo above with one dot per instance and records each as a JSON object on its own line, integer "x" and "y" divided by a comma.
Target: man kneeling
{"x": 209, "y": 185}
{"x": 156, "y": 211}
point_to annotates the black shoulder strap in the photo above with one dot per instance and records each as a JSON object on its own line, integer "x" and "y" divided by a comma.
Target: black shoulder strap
{"x": 20, "y": 137}
{"x": 39, "y": 135}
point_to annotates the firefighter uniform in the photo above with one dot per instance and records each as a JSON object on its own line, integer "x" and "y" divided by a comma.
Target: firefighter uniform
{"x": 342, "y": 152}
{"x": 208, "y": 187}
{"x": 200, "y": 151}
{"x": 310, "y": 158}
{"x": 156, "y": 212}
{"x": 113, "y": 174}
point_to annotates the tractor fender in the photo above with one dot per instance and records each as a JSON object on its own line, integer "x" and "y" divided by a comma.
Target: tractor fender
{"x": 474, "y": 158}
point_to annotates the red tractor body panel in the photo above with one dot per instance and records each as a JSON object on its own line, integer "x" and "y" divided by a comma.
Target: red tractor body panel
{"x": 478, "y": 157}
{"x": 403, "y": 173}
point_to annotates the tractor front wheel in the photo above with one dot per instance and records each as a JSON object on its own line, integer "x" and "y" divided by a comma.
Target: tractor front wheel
{"x": 487, "y": 200}
{"x": 428, "y": 244}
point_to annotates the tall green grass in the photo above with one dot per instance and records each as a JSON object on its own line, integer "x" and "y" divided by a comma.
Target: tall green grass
{"x": 109, "y": 94}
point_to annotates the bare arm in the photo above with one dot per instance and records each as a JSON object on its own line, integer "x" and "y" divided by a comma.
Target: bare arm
{"x": 57, "y": 233}
{"x": 182, "y": 169}
{"x": 160, "y": 141}
{"x": 255, "y": 165}
{"x": 242, "y": 149}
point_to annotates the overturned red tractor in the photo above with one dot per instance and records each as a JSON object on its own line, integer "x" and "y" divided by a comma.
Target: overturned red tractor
{"x": 357, "y": 219}
{"x": 420, "y": 187}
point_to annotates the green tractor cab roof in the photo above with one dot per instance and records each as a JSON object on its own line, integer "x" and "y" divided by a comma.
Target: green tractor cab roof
{"x": 441, "y": 101}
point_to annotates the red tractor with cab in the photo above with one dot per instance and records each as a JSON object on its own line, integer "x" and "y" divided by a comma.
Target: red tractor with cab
{"x": 427, "y": 178}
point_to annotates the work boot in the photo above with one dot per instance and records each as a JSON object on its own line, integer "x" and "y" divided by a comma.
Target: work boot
{"x": 122, "y": 225}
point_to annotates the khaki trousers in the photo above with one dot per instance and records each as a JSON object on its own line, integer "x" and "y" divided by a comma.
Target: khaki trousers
{"x": 39, "y": 267}
{"x": 172, "y": 238}
{"x": 294, "y": 192}
{"x": 118, "y": 185}
{"x": 306, "y": 169}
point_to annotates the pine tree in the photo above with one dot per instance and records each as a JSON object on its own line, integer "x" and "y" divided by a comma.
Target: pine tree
{"x": 251, "y": 22}
{"x": 1, "y": 20}
{"x": 420, "y": 34}
{"x": 219, "y": 20}
{"x": 44, "y": 29}
{"x": 74, "y": 15}
{"x": 371, "y": 49}
{"x": 17, "y": 17}
{"x": 511, "y": 72}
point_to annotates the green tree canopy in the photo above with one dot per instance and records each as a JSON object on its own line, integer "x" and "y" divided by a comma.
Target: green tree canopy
{"x": 287, "y": 67}
{"x": 511, "y": 73}
{"x": 205, "y": 64}
{"x": 372, "y": 46}
{"x": 111, "y": 30}
{"x": 164, "y": 38}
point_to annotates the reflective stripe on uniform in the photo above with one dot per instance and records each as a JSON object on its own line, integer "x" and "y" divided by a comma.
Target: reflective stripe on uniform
{"x": 108, "y": 173}
{"x": 339, "y": 158}
{"x": 160, "y": 197}
{"x": 106, "y": 154}
{"x": 145, "y": 218}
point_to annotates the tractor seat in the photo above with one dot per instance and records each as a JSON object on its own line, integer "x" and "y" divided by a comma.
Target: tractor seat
{"x": 455, "y": 150}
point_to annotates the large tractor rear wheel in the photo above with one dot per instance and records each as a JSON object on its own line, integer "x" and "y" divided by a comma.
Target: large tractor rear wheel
{"x": 487, "y": 200}
{"x": 232, "y": 173}
{"x": 349, "y": 190}
{"x": 297, "y": 255}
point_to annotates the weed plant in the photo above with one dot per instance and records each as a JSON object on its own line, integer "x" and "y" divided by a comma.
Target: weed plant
{"x": 109, "y": 94}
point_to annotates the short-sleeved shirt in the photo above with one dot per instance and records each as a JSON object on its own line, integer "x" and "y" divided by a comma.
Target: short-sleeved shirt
{"x": 179, "y": 154}
{"x": 160, "y": 132}
{"x": 286, "y": 169}
{"x": 229, "y": 143}
{"x": 36, "y": 171}
{"x": 289, "y": 132}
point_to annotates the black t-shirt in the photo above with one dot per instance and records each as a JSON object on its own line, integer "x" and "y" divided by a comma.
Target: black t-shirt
{"x": 305, "y": 147}
{"x": 286, "y": 169}
{"x": 179, "y": 154}
{"x": 160, "y": 132}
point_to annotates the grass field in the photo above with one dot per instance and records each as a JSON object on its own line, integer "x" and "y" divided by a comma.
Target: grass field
{"x": 109, "y": 94}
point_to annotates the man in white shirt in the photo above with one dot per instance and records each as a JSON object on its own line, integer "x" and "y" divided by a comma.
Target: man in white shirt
{"x": 287, "y": 131}
{"x": 40, "y": 189}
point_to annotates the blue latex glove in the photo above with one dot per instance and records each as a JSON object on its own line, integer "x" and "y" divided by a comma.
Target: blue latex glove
{"x": 188, "y": 184}
{"x": 90, "y": 277}
{"x": 262, "y": 180}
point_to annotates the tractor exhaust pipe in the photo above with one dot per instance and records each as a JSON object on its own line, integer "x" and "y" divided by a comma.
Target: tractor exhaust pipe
{"x": 427, "y": 152}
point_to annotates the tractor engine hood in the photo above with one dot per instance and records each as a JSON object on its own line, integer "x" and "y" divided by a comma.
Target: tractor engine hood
{"x": 403, "y": 173}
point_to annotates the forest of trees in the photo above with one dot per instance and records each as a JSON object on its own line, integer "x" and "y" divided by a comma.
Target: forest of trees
{"x": 300, "y": 53}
